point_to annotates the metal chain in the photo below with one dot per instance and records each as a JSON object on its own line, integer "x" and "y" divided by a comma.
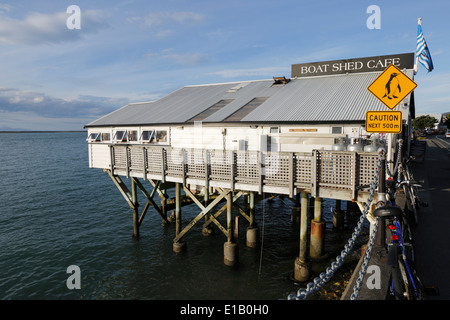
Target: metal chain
{"x": 400, "y": 143}
{"x": 365, "y": 263}
{"x": 324, "y": 277}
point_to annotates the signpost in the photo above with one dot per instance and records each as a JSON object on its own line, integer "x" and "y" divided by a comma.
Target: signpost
{"x": 390, "y": 87}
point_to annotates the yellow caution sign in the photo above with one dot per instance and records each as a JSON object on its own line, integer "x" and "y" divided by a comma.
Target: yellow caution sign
{"x": 384, "y": 121}
{"x": 392, "y": 86}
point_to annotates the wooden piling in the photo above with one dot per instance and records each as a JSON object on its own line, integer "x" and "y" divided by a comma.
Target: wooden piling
{"x": 301, "y": 265}
{"x": 295, "y": 211}
{"x": 252, "y": 209}
{"x": 179, "y": 245}
{"x": 338, "y": 216}
{"x": 317, "y": 231}
{"x": 230, "y": 248}
{"x": 135, "y": 208}
{"x": 303, "y": 225}
{"x": 177, "y": 208}
{"x": 352, "y": 211}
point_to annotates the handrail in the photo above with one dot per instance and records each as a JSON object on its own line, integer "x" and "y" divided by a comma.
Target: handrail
{"x": 341, "y": 171}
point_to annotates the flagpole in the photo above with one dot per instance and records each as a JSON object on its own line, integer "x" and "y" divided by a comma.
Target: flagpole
{"x": 416, "y": 65}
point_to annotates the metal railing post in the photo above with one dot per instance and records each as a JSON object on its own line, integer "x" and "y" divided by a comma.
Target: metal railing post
{"x": 381, "y": 200}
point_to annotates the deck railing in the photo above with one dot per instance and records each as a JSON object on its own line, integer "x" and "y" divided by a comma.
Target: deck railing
{"x": 336, "y": 174}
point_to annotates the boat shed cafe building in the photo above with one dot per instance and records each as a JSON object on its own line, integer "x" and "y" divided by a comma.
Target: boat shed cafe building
{"x": 298, "y": 136}
{"x": 321, "y": 104}
{"x": 288, "y": 136}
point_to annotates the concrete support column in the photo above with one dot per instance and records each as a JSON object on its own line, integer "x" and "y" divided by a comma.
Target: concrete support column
{"x": 317, "y": 230}
{"x": 230, "y": 254}
{"x": 252, "y": 237}
{"x": 302, "y": 267}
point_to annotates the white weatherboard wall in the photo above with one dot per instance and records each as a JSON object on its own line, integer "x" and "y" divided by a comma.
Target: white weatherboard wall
{"x": 284, "y": 138}
{"x": 99, "y": 156}
{"x": 281, "y": 138}
{"x": 218, "y": 138}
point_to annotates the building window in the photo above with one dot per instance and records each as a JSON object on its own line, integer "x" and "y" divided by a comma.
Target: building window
{"x": 161, "y": 136}
{"x": 132, "y": 136}
{"x": 120, "y": 136}
{"x": 106, "y": 136}
{"x": 147, "y": 136}
{"x": 337, "y": 130}
{"x": 155, "y": 136}
{"x": 99, "y": 137}
{"x": 94, "y": 137}
{"x": 274, "y": 130}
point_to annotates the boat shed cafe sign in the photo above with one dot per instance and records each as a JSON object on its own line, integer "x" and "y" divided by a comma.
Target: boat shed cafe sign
{"x": 356, "y": 65}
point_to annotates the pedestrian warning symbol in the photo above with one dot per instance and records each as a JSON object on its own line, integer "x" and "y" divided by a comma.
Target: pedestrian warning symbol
{"x": 392, "y": 86}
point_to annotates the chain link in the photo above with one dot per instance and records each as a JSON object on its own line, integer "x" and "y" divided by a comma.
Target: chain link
{"x": 399, "y": 146}
{"x": 324, "y": 277}
{"x": 365, "y": 263}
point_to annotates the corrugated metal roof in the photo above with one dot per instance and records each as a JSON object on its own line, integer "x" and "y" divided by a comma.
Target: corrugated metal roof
{"x": 315, "y": 99}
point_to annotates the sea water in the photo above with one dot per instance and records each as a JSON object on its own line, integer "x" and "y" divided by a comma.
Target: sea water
{"x": 56, "y": 212}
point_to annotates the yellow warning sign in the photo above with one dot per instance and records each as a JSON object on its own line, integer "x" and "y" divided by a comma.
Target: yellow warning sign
{"x": 392, "y": 86}
{"x": 384, "y": 121}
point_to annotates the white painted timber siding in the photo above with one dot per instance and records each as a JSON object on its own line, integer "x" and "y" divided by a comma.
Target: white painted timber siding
{"x": 99, "y": 156}
{"x": 218, "y": 138}
{"x": 279, "y": 138}
{"x": 261, "y": 138}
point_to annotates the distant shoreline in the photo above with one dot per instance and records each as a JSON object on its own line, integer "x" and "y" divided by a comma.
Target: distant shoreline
{"x": 46, "y": 131}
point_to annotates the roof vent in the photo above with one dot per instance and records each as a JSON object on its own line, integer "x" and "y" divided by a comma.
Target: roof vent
{"x": 280, "y": 80}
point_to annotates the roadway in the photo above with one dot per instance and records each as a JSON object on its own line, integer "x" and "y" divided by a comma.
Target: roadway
{"x": 432, "y": 235}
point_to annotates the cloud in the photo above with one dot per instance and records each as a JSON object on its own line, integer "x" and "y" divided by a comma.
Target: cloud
{"x": 162, "y": 23}
{"x": 185, "y": 59}
{"x": 43, "y": 28}
{"x": 5, "y": 8}
{"x": 43, "y": 105}
{"x": 234, "y": 73}
{"x": 165, "y": 18}
{"x": 335, "y": 52}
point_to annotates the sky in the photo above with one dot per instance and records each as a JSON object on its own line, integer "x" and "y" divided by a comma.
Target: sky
{"x": 56, "y": 76}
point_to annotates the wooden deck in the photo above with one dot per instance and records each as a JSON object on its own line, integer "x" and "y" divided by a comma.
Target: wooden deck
{"x": 343, "y": 175}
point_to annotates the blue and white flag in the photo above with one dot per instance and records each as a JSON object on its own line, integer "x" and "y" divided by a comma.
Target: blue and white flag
{"x": 422, "y": 53}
